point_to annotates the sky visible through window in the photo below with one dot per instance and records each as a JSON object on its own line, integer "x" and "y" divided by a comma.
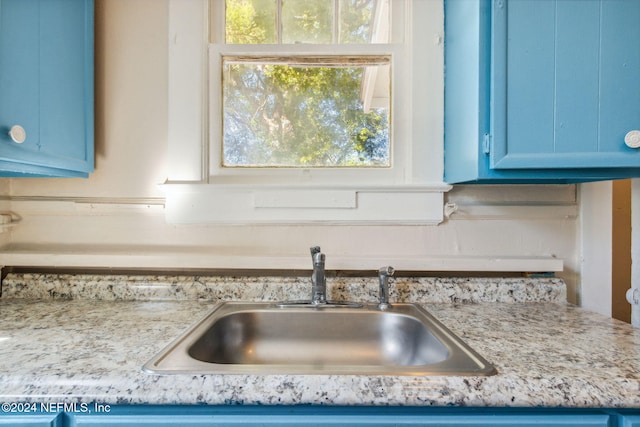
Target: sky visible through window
{"x": 305, "y": 111}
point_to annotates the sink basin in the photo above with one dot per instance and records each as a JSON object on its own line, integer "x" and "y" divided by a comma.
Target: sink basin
{"x": 263, "y": 338}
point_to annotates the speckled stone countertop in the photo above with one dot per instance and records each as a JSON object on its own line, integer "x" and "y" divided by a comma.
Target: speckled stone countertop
{"x": 85, "y": 338}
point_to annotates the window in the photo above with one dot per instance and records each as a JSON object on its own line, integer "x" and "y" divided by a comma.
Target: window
{"x": 316, "y": 110}
{"x": 296, "y": 111}
{"x": 306, "y": 21}
{"x": 287, "y": 110}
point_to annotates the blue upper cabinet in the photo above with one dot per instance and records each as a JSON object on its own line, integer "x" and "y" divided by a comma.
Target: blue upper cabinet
{"x": 541, "y": 91}
{"x": 46, "y": 88}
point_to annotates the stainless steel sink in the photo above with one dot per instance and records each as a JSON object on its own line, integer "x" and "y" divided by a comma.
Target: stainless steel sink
{"x": 262, "y": 338}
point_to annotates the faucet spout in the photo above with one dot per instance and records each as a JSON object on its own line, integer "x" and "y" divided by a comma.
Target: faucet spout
{"x": 318, "y": 288}
{"x": 383, "y": 274}
{"x": 318, "y": 277}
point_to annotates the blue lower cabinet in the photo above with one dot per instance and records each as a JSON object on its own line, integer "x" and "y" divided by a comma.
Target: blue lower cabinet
{"x": 313, "y": 416}
{"x": 629, "y": 421}
{"x": 318, "y": 416}
{"x": 49, "y": 420}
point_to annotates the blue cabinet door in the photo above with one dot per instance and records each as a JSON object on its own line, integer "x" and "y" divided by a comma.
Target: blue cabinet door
{"x": 26, "y": 420}
{"x": 46, "y": 87}
{"x": 566, "y": 84}
{"x": 541, "y": 91}
{"x": 630, "y": 421}
{"x": 343, "y": 421}
{"x": 319, "y": 416}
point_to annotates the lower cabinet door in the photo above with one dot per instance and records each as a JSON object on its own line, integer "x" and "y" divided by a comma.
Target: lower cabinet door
{"x": 630, "y": 421}
{"x": 344, "y": 417}
{"x": 53, "y": 420}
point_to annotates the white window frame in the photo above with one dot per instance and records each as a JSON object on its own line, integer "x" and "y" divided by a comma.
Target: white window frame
{"x": 409, "y": 192}
{"x": 282, "y": 175}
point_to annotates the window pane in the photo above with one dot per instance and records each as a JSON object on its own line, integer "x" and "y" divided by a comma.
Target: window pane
{"x": 250, "y": 21}
{"x": 306, "y": 114}
{"x": 309, "y": 21}
{"x": 357, "y": 21}
{"x": 306, "y": 21}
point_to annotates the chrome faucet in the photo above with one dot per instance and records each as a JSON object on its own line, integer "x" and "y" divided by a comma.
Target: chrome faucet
{"x": 318, "y": 278}
{"x": 318, "y": 288}
{"x": 383, "y": 275}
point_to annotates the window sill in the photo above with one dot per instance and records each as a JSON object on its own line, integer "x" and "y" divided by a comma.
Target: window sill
{"x": 189, "y": 203}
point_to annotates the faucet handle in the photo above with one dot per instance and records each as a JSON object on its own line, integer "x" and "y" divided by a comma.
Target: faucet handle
{"x": 317, "y": 257}
{"x": 383, "y": 275}
{"x": 386, "y": 271}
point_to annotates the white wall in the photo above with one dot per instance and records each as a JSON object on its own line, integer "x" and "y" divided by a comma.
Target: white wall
{"x": 116, "y": 217}
{"x": 595, "y": 262}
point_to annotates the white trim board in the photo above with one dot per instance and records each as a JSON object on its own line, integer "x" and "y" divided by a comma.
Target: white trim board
{"x": 186, "y": 258}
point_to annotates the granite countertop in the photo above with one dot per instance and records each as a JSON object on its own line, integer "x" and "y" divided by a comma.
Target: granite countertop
{"x": 85, "y": 338}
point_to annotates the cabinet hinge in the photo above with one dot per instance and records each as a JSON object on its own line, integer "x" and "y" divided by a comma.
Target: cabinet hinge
{"x": 486, "y": 143}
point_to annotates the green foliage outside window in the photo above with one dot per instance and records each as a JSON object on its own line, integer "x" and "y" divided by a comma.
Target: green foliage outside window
{"x": 302, "y": 114}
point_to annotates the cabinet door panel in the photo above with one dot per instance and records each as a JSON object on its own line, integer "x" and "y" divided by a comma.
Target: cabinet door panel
{"x": 630, "y": 421}
{"x": 346, "y": 420}
{"x": 620, "y": 68}
{"x": 528, "y": 89}
{"x": 31, "y": 420}
{"x": 19, "y": 67}
{"x": 46, "y": 86}
{"x": 575, "y": 77}
{"x": 570, "y": 89}
{"x": 63, "y": 99}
